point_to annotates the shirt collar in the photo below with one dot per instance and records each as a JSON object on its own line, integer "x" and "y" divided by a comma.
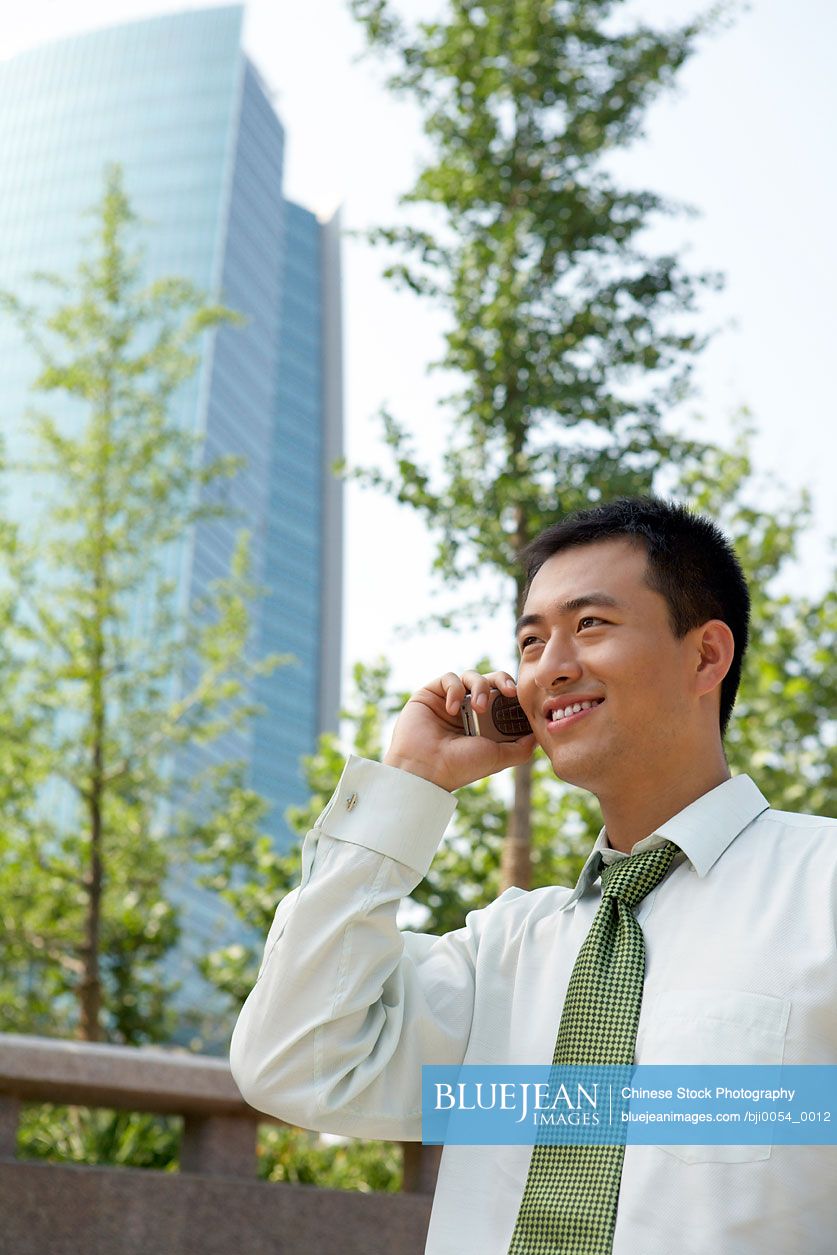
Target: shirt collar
{"x": 702, "y": 830}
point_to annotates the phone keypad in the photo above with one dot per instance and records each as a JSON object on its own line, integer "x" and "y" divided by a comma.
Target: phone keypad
{"x": 508, "y": 716}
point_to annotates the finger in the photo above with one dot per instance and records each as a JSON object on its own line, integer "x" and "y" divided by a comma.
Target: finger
{"x": 495, "y": 679}
{"x": 453, "y": 691}
{"x": 480, "y": 686}
{"x": 504, "y": 682}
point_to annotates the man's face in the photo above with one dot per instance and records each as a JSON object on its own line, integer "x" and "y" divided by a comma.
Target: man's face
{"x": 624, "y": 653}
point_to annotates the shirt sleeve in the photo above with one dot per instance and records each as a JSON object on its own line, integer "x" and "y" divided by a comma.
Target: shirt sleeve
{"x": 347, "y": 1007}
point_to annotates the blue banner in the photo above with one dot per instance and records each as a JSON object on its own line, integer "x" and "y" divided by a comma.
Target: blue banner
{"x": 639, "y": 1105}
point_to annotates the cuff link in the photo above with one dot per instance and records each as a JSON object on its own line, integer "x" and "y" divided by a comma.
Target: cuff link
{"x": 351, "y": 802}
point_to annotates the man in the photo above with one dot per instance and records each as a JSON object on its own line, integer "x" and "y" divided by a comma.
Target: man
{"x": 635, "y": 612}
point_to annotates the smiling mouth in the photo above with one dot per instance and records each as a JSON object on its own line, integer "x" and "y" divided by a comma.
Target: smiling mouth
{"x": 558, "y": 725}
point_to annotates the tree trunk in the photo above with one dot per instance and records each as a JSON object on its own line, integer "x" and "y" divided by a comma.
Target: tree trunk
{"x": 516, "y": 858}
{"x": 90, "y": 987}
{"x": 516, "y": 861}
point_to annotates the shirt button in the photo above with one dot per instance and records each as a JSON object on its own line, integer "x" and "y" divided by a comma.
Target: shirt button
{"x": 351, "y": 802}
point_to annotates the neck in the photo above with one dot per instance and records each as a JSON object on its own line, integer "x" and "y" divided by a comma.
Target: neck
{"x": 635, "y": 812}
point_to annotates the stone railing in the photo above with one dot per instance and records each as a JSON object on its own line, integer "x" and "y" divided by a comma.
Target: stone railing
{"x": 214, "y": 1204}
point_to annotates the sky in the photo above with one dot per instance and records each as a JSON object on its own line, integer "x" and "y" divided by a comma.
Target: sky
{"x": 747, "y": 138}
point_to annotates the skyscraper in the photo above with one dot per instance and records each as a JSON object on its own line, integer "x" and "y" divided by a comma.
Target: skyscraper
{"x": 177, "y": 102}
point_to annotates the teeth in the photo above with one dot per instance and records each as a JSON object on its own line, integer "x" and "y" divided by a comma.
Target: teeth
{"x": 573, "y": 710}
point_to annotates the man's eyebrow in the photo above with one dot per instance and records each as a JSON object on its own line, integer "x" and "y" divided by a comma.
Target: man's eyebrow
{"x": 569, "y": 607}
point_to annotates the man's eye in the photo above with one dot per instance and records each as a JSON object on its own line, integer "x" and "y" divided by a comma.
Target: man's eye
{"x": 589, "y": 618}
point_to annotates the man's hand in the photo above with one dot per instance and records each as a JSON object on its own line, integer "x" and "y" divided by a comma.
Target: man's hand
{"x": 430, "y": 741}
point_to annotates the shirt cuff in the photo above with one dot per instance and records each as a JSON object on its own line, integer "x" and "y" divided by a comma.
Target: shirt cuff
{"x": 388, "y": 810}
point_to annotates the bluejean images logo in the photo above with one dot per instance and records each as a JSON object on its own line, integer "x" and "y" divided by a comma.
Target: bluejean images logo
{"x": 545, "y": 1104}
{"x": 618, "y": 1104}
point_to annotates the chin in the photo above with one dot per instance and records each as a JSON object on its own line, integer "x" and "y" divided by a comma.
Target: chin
{"x": 577, "y": 774}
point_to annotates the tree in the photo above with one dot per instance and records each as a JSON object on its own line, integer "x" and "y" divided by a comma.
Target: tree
{"x": 114, "y": 676}
{"x": 568, "y": 337}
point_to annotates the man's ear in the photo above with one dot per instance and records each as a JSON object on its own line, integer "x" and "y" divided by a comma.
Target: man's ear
{"x": 715, "y": 646}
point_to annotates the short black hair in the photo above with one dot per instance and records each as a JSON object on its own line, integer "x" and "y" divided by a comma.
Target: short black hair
{"x": 691, "y": 564}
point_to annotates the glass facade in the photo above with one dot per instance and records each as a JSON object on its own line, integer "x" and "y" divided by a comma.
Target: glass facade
{"x": 294, "y": 540}
{"x": 179, "y": 105}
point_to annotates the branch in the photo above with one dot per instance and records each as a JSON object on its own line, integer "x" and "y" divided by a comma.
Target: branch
{"x": 472, "y": 613}
{"x": 36, "y": 942}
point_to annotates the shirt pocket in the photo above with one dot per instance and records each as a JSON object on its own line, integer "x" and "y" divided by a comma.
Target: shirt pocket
{"x": 714, "y": 1026}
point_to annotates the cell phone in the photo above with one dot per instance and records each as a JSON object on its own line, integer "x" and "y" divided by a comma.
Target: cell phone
{"x": 504, "y": 720}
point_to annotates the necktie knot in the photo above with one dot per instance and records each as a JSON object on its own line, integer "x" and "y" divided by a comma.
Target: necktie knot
{"x": 630, "y": 879}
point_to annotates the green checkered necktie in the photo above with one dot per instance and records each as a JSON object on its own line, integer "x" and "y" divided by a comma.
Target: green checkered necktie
{"x": 569, "y": 1203}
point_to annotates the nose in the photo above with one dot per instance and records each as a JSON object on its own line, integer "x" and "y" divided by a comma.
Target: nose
{"x": 556, "y": 665}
